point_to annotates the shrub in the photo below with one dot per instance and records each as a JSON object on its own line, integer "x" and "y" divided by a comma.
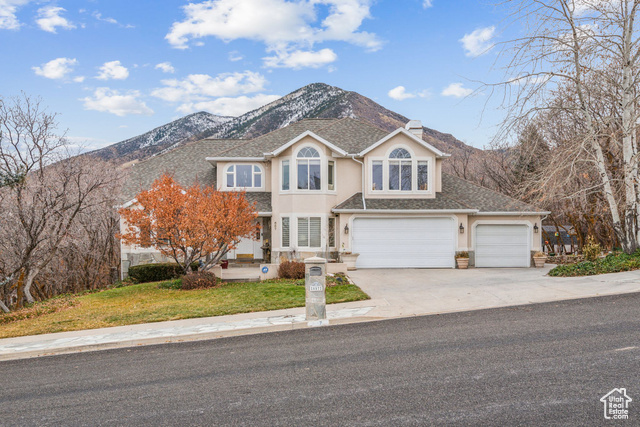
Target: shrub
{"x": 463, "y": 254}
{"x": 291, "y": 270}
{"x": 612, "y": 263}
{"x": 171, "y": 284}
{"x": 199, "y": 280}
{"x": 145, "y": 273}
{"x": 591, "y": 249}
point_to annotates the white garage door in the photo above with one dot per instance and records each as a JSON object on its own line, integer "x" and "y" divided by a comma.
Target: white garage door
{"x": 502, "y": 245}
{"x": 404, "y": 242}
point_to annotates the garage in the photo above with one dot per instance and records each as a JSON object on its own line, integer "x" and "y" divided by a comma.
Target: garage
{"x": 404, "y": 242}
{"x": 502, "y": 245}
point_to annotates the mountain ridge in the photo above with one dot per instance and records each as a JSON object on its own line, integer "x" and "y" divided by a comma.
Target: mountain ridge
{"x": 316, "y": 100}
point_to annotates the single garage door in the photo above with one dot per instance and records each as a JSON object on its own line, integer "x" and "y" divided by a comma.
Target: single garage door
{"x": 501, "y": 245}
{"x": 404, "y": 242}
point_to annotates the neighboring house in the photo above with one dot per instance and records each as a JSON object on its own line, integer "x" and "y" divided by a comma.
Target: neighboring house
{"x": 561, "y": 239}
{"x": 324, "y": 186}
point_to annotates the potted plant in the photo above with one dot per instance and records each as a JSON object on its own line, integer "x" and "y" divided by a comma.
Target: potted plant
{"x": 539, "y": 259}
{"x": 349, "y": 259}
{"x": 462, "y": 258}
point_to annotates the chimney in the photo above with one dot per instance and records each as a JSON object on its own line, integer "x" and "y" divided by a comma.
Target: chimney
{"x": 415, "y": 127}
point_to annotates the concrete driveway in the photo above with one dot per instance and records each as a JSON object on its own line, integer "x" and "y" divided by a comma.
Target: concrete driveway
{"x": 407, "y": 292}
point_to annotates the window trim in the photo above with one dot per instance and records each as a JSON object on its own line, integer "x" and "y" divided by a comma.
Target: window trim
{"x": 261, "y": 172}
{"x": 386, "y": 161}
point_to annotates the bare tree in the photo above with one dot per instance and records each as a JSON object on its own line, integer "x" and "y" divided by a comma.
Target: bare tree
{"x": 46, "y": 192}
{"x": 579, "y": 65}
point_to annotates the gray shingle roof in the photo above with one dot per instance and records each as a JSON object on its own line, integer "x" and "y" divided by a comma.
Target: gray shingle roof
{"x": 457, "y": 194}
{"x": 262, "y": 199}
{"x": 353, "y": 136}
{"x": 275, "y": 139}
{"x": 187, "y": 164}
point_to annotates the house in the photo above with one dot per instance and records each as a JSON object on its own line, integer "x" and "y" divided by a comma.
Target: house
{"x": 560, "y": 239}
{"x": 324, "y": 186}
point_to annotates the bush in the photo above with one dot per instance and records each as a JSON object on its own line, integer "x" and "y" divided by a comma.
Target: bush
{"x": 591, "y": 249}
{"x": 291, "y": 270}
{"x": 199, "y": 280}
{"x": 175, "y": 285}
{"x": 145, "y": 273}
{"x": 612, "y": 263}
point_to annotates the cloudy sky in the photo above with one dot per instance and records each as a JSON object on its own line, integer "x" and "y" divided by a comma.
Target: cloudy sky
{"x": 114, "y": 69}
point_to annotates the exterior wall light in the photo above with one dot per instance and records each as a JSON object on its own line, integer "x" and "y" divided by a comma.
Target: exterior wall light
{"x": 535, "y": 228}
{"x": 461, "y": 228}
{"x": 346, "y": 229}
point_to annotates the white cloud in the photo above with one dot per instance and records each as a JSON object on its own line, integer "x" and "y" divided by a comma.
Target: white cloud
{"x": 98, "y": 16}
{"x": 229, "y": 106}
{"x": 427, "y": 4}
{"x": 456, "y": 90}
{"x": 79, "y": 79}
{"x": 113, "y": 70}
{"x": 235, "y": 56}
{"x": 478, "y": 42}
{"x": 400, "y": 93}
{"x": 301, "y": 59}
{"x": 166, "y": 67}
{"x": 200, "y": 87}
{"x": 293, "y": 28}
{"x": 56, "y": 68}
{"x": 112, "y": 101}
{"x": 49, "y": 18}
{"x": 8, "y": 9}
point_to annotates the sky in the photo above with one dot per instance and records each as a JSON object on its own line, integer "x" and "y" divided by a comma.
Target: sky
{"x": 114, "y": 69}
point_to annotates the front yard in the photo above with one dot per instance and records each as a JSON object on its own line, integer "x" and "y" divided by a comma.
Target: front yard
{"x": 612, "y": 263}
{"x": 148, "y": 302}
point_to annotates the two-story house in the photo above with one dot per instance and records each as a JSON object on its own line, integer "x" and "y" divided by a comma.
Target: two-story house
{"x": 324, "y": 186}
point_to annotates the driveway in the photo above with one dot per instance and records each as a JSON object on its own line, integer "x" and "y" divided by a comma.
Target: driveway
{"x": 407, "y": 292}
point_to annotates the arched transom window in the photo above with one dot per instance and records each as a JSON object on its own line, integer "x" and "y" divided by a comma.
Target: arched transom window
{"x": 400, "y": 170}
{"x": 308, "y": 166}
{"x": 244, "y": 176}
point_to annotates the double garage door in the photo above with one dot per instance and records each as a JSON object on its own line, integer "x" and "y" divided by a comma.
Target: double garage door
{"x": 404, "y": 242}
{"x": 431, "y": 243}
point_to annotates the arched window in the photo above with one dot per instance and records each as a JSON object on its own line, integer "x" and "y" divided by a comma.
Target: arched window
{"x": 399, "y": 153}
{"x": 400, "y": 170}
{"x": 308, "y": 166}
{"x": 244, "y": 176}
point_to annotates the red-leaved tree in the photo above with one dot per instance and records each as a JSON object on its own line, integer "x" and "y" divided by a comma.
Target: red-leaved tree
{"x": 189, "y": 224}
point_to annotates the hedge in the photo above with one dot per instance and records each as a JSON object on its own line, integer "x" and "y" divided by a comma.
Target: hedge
{"x": 144, "y": 273}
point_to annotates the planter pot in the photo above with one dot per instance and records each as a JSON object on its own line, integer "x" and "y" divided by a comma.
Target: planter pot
{"x": 539, "y": 261}
{"x": 224, "y": 263}
{"x": 350, "y": 260}
{"x": 463, "y": 263}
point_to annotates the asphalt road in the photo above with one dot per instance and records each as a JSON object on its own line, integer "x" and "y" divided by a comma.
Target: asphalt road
{"x": 546, "y": 364}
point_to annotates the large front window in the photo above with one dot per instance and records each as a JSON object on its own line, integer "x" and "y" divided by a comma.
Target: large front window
{"x": 309, "y": 232}
{"x": 309, "y": 175}
{"x": 244, "y": 176}
{"x": 400, "y": 172}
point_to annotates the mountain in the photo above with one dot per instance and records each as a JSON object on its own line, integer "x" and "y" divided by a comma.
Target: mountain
{"x": 317, "y": 100}
{"x": 163, "y": 138}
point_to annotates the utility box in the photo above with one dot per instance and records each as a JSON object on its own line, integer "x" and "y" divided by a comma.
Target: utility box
{"x": 315, "y": 273}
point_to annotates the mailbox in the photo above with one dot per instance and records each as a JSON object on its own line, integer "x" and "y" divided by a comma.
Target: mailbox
{"x": 315, "y": 286}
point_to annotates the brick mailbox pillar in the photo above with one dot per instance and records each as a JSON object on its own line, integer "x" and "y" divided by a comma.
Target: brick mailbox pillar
{"x": 315, "y": 270}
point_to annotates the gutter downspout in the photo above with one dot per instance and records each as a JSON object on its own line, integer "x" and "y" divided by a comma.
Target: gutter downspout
{"x": 364, "y": 202}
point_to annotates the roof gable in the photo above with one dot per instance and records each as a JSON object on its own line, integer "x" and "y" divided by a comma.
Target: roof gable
{"x": 410, "y": 135}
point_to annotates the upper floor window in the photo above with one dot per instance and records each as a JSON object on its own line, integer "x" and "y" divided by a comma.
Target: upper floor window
{"x": 244, "y": 176}
{"x": 400, "y": 171}
{"x": 285, "y": 175}
{"x": 308, "y": 165}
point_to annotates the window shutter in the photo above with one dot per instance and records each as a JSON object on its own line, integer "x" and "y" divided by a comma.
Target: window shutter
{"x": 286, "y": 242}
{"x": 303, "y": 232}
{"x": 315, "y": 232}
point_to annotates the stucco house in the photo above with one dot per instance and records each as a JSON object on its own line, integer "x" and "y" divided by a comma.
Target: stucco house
{"x": 324, "y": 186}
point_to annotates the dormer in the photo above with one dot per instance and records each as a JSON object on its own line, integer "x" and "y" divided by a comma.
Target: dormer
{"x": 403, "y": 165}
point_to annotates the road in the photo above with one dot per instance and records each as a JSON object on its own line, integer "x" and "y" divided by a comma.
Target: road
{"x": 545, "y": 364}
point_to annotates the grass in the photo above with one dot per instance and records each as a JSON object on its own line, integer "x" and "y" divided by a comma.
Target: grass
{"x": 612, "y": 263}
{"x": 149, "y": 302}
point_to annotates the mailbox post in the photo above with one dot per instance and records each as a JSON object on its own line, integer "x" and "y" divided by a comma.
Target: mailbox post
{"x": 315, "y": 285}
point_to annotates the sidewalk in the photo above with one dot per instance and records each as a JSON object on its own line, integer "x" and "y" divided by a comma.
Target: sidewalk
{"x": 176, "y": 331}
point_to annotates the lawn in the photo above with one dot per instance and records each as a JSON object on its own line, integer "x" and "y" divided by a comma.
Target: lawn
{"x": 612, "y": 263}
{"x": 148, "y": 302}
